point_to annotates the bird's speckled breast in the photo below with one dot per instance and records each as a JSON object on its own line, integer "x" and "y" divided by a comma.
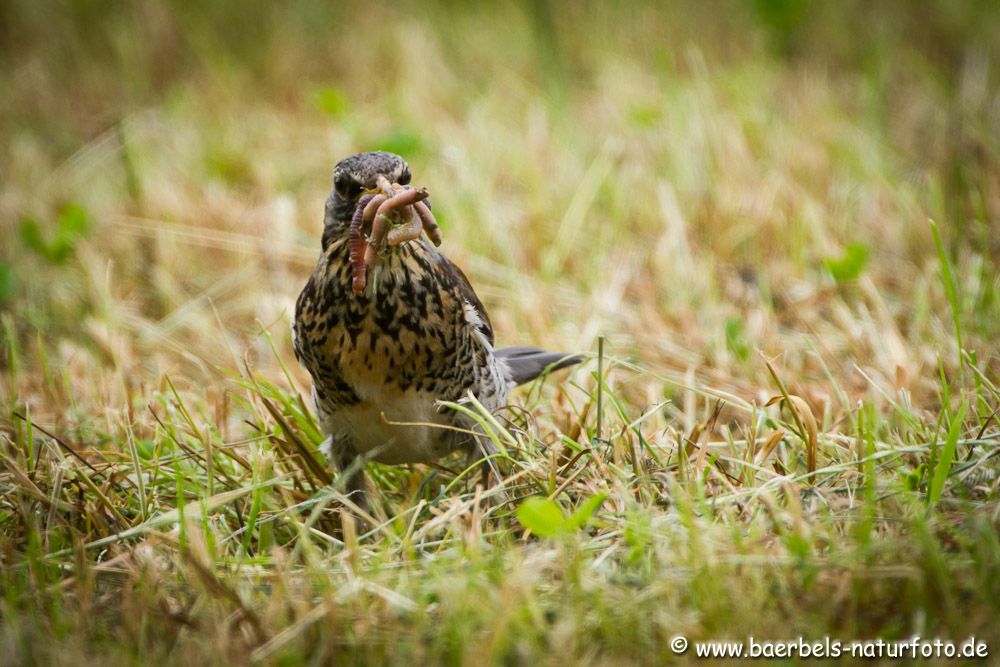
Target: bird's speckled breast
{"x": 396, "y": 349}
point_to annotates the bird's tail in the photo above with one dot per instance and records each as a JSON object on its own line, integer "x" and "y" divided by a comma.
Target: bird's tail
{"x": 526, "y": 363}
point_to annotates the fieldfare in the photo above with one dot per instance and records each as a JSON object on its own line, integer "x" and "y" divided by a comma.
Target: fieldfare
{"x": 387, "y": 336}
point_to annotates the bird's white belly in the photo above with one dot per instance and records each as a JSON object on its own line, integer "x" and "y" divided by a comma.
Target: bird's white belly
{"x": 396, "y": 427}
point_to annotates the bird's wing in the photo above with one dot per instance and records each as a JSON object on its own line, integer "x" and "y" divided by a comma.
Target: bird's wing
{"x": 527, "y": 363}
{"x": 469, "y": 295}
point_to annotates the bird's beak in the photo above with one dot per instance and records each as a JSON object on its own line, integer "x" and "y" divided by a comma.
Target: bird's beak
{"x": 384, "y": 186}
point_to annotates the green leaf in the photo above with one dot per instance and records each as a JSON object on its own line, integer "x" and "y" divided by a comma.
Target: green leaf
{"x": 402, "y": 142}
{"x": 638, "y": 535}
{"x": 331, "y": 101}
{"x": 73, "y": 221}
{"x": 798, "y": 546}
{"x": 912, "y": 479}
{"x": 645, "y": 115}
{"x": 850, "y": 265}
{"x": 581, "y": 516}
{"x": 950, "y": 288}
{"x": 233, "y": 167}
{"x": 735, "y": 340}
{"x": 31, "y": 236}
{"x": 542, "y": 516}
{"x": 8, "y": 281}
{"x": 943, "y": 467}
{"x": 145, "y": 448}
{"x": 545, "y": 518}
{"x": 782, "y": 16}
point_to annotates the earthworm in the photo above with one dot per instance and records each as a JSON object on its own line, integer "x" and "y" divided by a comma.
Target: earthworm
{"x": 376, "y": 211}
{"x": 408, "y": 231}
{"x": 369, "y": 213}
{"x": 427, "y": 220}
{"x": 404, "y": 197}
{"x": 356, "y": 244}
{"x": 429, "y": 223}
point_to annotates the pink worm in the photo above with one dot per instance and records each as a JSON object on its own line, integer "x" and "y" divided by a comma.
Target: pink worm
{"x": 356, "y": 243}
{"x": 380, "y": 225}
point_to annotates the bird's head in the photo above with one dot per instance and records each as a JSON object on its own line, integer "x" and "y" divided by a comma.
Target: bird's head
{"x": 352, "y": 177}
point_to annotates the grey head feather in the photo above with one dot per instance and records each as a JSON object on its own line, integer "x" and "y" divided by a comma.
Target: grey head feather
{"x": 351, "y": 176}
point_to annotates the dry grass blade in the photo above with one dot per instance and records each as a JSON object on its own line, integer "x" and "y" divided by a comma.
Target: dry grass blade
{"x": 59, "y": 441}
{"x": 289, "y": 634}
{"x": 221, "y": 590}
{"x": 802, "y": 415}
{"x": 173, "y": 516}
{"x": 25, "y": 485}
{"x": 768, "y": 447}
{"x": 807, "y": 423}
{"x": 303, "y": 454}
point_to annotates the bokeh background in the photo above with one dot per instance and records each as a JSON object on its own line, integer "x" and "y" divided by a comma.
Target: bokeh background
{"x": 694, "y": 181}
{"x": 712, "y": 186}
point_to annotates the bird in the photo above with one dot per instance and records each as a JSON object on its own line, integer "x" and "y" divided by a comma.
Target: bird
{"x": 383, "y": 360}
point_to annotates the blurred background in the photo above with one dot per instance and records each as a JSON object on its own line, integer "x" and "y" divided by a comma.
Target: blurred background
{"x": 696, "y": 181}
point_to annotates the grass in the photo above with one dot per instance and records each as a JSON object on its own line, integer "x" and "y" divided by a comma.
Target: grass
{"x": 791, "y": 430}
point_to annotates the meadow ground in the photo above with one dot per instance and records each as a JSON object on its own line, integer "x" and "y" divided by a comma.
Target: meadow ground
{"x": 792, "y": 430}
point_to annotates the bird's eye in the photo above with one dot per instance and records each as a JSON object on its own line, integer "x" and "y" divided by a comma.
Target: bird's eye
{"x": 346, "y": 186}
{"x": 404, "y": 178}
{"x": 340, "y": 182}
